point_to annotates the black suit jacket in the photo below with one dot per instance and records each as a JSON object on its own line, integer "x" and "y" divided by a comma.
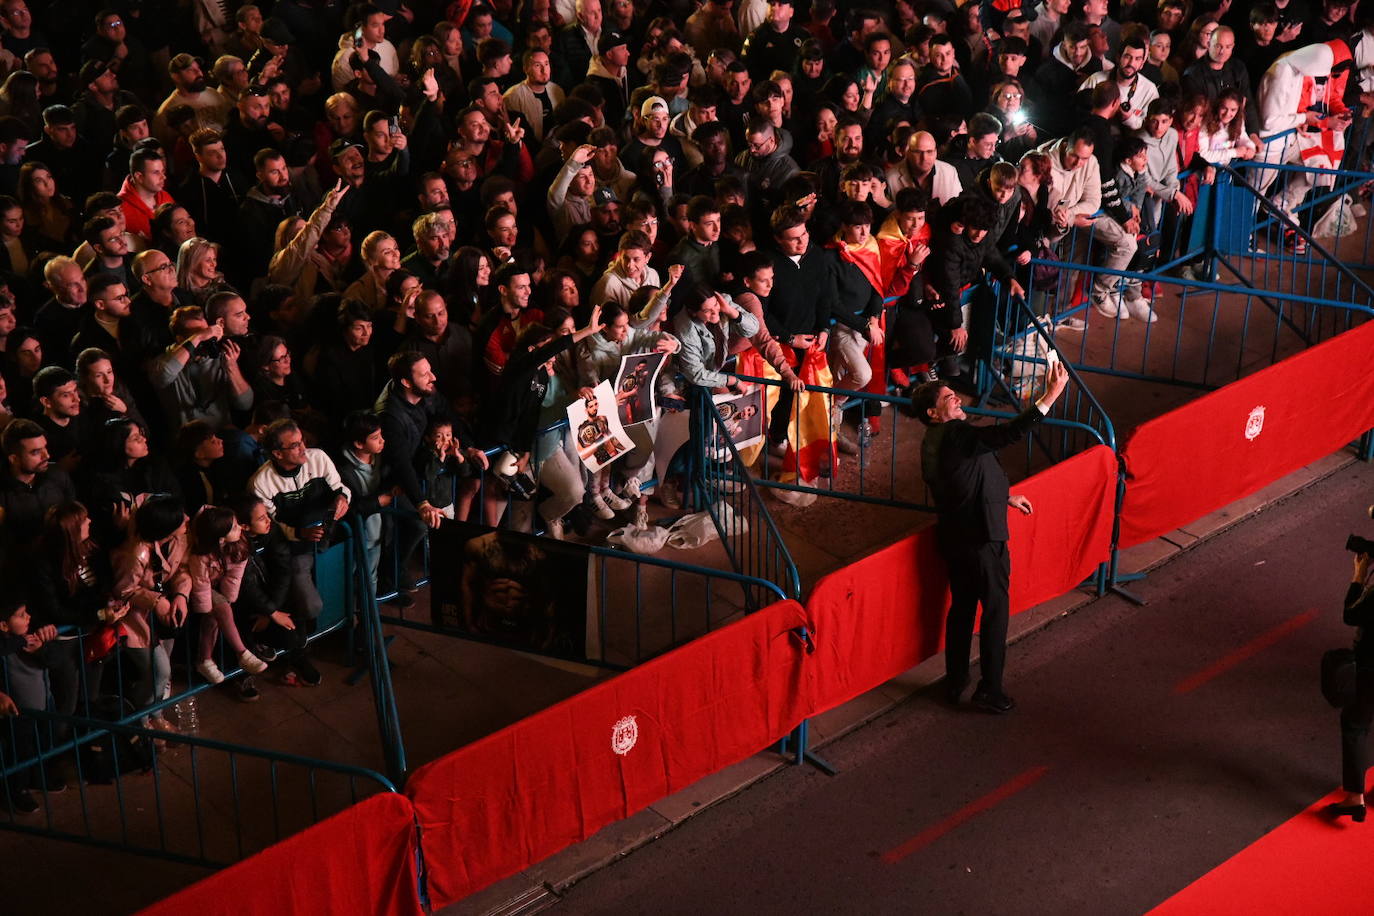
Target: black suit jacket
{"x": 959, "y": 463}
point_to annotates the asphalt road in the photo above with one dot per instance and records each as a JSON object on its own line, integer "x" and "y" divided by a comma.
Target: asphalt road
{"x": 1151, "y": 743}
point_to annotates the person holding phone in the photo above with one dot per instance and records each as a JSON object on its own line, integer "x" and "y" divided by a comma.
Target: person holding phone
{"x": 366, "y": 37}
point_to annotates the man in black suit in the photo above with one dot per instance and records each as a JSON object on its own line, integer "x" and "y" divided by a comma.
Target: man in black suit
{"x": 959, "y": 464}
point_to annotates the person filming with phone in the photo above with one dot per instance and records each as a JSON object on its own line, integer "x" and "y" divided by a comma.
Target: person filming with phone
{"x": 971, "y": 492}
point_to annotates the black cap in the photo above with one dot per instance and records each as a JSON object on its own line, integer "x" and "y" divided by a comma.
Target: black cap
{"x": 275, "y": 31}
{"x": 92, "y": 70}
{"x": 343, "y": 145}
{"x": 610, "y": 39}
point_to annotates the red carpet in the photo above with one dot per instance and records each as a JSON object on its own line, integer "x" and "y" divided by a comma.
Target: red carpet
{"x": 1309, "y": 865}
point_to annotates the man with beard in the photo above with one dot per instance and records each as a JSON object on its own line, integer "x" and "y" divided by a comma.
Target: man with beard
{"x": 191, "y": 90}
{"x": 429, "y": 260}
{"x": 265, "y": 205}
{"x": 849, "y": 149}
{"x": 99, "y": 101}
{"x": 247, "y": 130}
{"x": 652, "y": 134}
{"x": 406, "y": 407}
{"x": 1137, "y": 91}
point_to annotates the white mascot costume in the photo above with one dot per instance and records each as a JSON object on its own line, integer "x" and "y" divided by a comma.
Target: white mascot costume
{"x": 1302, "y": 92}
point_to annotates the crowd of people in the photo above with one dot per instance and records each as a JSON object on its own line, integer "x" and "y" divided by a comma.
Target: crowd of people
{"x": 262, "y": 267}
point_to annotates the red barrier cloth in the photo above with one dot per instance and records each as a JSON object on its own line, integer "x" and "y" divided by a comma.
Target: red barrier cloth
{"x": 1309, "y": 864}
{"x": 885, "y": 613}
{"x": 361, "y": 860}
{"x": 1070, "y": 532}
{"x": 555, "y": 778}
{"x": 1244, "y": 436}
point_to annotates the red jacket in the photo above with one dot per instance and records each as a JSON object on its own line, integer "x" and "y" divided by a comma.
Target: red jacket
{"x": 136, "y": 213}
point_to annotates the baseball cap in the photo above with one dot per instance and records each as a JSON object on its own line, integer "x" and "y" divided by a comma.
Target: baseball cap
{"x": 603, "y": 196}
{"x": 93, "y": 70}
{"x": 610, "y": 39}
{"x": 343, "y": 145}
{"x": 276, "y": 31}
{"x": 651, "y": 104}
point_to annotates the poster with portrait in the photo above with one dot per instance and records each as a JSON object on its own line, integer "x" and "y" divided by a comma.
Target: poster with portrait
{"x": 597, "y": 429}
{"x": 518, "y": 590}
{"x": 635, "y": 386}
{"x": 742, "y": 415}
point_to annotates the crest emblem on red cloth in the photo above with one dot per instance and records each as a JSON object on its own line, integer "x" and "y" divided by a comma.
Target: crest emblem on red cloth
{"x": 1254, "y": 424}
{"x": 624, "y": 734}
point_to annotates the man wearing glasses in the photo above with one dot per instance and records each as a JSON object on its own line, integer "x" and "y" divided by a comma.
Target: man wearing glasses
{"x": 305, "y": 496}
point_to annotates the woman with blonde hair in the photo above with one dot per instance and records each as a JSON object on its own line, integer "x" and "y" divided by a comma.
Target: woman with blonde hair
{"x": 381, "y": 255}
{"x": 198, "y": 274}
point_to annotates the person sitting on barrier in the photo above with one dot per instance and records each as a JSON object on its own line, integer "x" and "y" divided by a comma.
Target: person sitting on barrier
{"x": 1161, "y": 173}
{"x": 215, "y": 561}
{"x": 1121, "y": 201}
{"x": 857, "y": 310}
{"x": 1223, "y": 137}
{"x": 959, "y": 259}
{"x": 599, "y": 360}
{"x": 511, "y": 421}
{"x": 1303, "y": 91}
{"x": 959, "y": 464}
{"x": 263, "y": 609}
{"x": 441, "y": 463}
{"x": 706, "y": 326}
{"x": 302, "y": 489}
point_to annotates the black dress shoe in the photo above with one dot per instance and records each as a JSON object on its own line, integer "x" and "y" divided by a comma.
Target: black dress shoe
{"x": 996, "y": 703}
{"x": 1355, "y": 812}
{"x": 954, "y": 692}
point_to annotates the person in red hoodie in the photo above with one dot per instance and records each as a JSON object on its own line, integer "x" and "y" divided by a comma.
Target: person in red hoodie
{"x": 143, "y": 191}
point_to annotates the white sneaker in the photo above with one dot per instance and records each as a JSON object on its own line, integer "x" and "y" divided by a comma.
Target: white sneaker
{"x": 1070, "y": 324}
{"x": 1112, "y": 308}
{"x": 554, "y": 528}
{"x": 631, "y": 489}
{"x": 210, "y": 671}
{"x": 1139, "y": 308}
{"x": 641, "y": 517}
{"x": 598, "y": 503}
{"x": 615, "y": 500}
{"x": 251, "y": 663}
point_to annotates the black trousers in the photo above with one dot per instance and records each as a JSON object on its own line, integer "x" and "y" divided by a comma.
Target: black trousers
{"x": 979, "y": 574}
{"x": 1355, "y": 721}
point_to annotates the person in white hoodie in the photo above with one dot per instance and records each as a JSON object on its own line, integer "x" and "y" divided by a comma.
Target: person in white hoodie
{"x": 1075, "y": 196}
{"x": 1302, "y": 92}
{"x": 369, "y": 35}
